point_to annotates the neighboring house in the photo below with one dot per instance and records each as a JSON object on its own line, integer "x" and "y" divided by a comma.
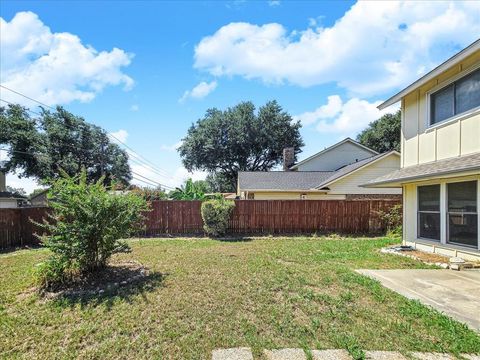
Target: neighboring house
{"x": 39, "y": 199}
{"x": 8, "y": 200}
{"x": 440, "y": 166}
{"x": 335, "y": 173}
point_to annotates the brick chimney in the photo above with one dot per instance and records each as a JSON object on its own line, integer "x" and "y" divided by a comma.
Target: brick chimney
{"x": 3, "y": 185}
{"x": 288, "y": 158}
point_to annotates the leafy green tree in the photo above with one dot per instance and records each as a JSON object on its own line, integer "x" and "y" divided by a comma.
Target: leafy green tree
{"x": 88, "y": 224}
{"x": 191, "y": 190}
{"x": 150, "y": 194}
{"x": 239, "y": 139}
{"x": 382, "y": 135}
{"x": 39, "y": 147}
{"x": 219, "y": 183}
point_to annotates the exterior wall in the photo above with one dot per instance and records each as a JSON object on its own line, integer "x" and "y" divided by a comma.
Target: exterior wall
{"x": 8, "y": 203}
{"x": 351, "y": 184}
{"x": 295, "y": 196}
{"x": 39, "y": 200}
{"x": 335, "y": 158}
{"x": 422, "y": 143}
{"x": 410, "y": 220}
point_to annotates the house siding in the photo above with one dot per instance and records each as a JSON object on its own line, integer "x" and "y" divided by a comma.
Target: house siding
{"x": 351, "y": 184}
{"x": 337, "y": 157}
{"x": 422, "y": 143}
{"x": 295, "y": 196}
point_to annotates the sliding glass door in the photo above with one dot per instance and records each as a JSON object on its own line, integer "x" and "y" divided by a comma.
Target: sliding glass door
{"x": 462, "y": 223}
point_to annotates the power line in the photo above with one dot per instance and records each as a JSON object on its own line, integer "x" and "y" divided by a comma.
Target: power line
{"x": 151, "y": 165}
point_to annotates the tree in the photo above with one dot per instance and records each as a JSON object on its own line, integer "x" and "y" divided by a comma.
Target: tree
{"x": 39, "y": 147}
{"x": 17, "y": 191}
{"x": 382, "y": 135}
{"x": 219, "y": 183}
{"x": 238, "y": 139}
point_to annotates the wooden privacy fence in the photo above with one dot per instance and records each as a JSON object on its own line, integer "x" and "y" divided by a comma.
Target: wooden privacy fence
{"x": 274, "y": 216}
{"x": 249, "y": 217}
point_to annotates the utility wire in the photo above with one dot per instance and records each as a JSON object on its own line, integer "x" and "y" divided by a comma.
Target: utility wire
{"x": 159, "y": 171}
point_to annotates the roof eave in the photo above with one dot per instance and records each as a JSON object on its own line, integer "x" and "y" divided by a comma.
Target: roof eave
{"x": 455, "y": 59}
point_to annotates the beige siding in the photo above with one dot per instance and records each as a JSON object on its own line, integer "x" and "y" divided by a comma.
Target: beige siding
{"x": 335, "y": 158}
{"x": 422, "y": 143}
{"x": 8, "y": 203}
{"x": 351, "y": 184}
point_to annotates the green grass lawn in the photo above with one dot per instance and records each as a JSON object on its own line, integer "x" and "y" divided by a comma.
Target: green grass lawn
{"x": 206, "y": 294}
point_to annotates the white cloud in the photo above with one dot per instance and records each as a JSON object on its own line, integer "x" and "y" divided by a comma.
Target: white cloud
{"x": 374, "y": 48}
{"x": 120, "y": 135}
{"x": 273, "y": 2}
{"x": 28, "y": 184}
{"x": 55, "y": 68}
{"x": 134, "y": 107}
{"x": 171, "y": 148}
{"x": 344, "y": 118}
{"x": 200, "y": 91}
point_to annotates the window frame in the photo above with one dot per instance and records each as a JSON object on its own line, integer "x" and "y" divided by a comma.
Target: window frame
{"x": 439, "y": 212}
{"x": 448, "y": 213}
{"x": 443, "y": 85}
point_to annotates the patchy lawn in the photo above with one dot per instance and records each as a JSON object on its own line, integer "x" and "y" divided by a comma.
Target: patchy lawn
{"x": 261, "y": 293}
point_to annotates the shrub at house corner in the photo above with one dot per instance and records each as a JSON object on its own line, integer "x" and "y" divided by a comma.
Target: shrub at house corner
{"x": 88, "y": 224}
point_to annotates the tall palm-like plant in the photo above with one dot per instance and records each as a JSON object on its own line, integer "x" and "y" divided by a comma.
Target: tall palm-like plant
{"x": 188, "y": 191}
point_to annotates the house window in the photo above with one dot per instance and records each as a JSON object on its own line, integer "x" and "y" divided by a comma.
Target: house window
{"x": 462, "y": 213}
{"x": 458, "y": 97}
{"x": 429, "y": 212}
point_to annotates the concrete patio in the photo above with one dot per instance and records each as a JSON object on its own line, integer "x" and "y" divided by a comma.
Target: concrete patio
{"x": 455, "y": 293}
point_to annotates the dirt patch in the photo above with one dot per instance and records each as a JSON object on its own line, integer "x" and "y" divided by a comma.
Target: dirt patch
{"x": 107, "y": 280}
{"x": 425, "y": 257}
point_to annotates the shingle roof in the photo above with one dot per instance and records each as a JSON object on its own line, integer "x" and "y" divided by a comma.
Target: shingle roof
{"x": 299, "y": 180}
{"x": 10, "y": 195}
{"x": 439, "y": 167}
{"x": 351, "y": 167}
{"x": 281, "y": 180}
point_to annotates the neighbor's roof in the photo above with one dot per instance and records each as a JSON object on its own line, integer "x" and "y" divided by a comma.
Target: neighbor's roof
{"x": 455, "y": 59}
{"x": 10, "y": 195}
{"x": 428, "y": 170}
{"x": 281, "y": 180}
{"x": 331, "y": 148}
{"x": 348, "y": 169}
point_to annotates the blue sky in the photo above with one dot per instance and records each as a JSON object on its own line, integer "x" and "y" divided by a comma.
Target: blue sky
{"x": 145, "y": 70}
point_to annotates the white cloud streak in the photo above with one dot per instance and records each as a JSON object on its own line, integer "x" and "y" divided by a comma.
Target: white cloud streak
{"x": 199, "y": 91}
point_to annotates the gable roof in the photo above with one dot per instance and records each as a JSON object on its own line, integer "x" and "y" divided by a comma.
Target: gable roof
{"x": 455, "y": 59}
{"x": 301, "y": 180}
{"x": 348, "y": 169}
{"x": 331, "y": 148}
{"x": 423, "y": 171}
{"x": 281, "y": 180}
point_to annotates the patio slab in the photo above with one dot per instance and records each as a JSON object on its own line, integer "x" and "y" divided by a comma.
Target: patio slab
{"x": 455, "y": 293}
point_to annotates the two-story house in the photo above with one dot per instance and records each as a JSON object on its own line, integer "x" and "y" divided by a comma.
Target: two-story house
{"x": 440, "y": 157}
{"x": 335, "y": 173}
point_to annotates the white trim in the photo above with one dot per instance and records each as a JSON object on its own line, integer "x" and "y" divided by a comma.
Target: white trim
{"x": 441, "y": 86}
{"x": 443, "y": 213}
{"x": 331, "y": 148}
{"x": 454, "y": 60}
{"x": 393, "y": 152}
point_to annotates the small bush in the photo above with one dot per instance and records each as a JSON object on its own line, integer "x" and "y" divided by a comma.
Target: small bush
{"x": 216, "y": 214}
{"x": 393, "y": 220}
{"x": 87, "y": 224}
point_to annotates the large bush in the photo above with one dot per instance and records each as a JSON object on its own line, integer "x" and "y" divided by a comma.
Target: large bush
{"x": 216, "y": 214}
{"x": 87, "y": 224}
{"x": 393, "y": 220}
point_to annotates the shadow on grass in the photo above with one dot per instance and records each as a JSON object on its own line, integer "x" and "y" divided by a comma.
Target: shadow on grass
{"x": 114, "y": 284}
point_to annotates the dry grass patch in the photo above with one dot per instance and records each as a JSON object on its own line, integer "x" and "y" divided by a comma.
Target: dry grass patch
{"x": 261, "y": 293}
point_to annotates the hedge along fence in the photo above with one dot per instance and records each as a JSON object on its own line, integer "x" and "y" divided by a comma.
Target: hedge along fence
{"x": 249, "y": 217}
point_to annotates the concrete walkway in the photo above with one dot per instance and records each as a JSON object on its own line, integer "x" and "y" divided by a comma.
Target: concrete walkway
{"x": 456, "y": 293}
{"x": 298, "y": 354}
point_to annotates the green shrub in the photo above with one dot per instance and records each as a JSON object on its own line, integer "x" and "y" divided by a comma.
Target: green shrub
{"x": 216, "y": 214}
{"x": 393, "y": 220}
{"x": 87, "y": 224}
